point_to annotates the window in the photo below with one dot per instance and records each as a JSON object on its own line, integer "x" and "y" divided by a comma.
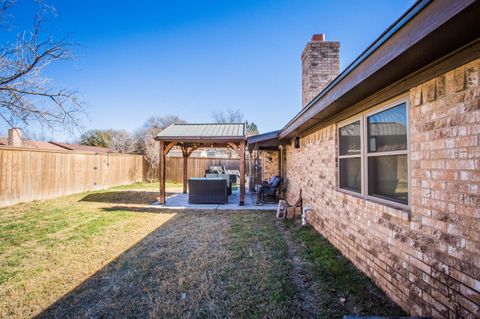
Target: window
{"x": 350, "y": 157}
{"x": 374, "y": 147}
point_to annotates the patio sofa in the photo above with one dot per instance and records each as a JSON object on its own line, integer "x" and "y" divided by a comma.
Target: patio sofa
{"x": 229, "y": 178}
{"x": 207, "y": 191}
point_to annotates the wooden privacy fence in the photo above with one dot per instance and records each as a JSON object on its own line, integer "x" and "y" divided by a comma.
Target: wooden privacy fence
{"x": 196, "y": 167}
{"x": 30, "y": 174}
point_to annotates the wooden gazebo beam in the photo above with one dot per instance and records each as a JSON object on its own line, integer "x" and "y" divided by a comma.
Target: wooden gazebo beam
{"x": 169, "y": 146}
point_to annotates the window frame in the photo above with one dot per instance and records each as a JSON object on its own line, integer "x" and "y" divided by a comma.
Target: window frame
{"x": 345, "y": 123}
{"x": 364, "y": 154}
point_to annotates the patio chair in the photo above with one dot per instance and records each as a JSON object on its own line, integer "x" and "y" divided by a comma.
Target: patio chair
{"x": 270, "y": 188}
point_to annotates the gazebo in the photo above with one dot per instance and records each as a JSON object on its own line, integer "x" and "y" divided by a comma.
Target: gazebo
{"x": 189, "y": 137}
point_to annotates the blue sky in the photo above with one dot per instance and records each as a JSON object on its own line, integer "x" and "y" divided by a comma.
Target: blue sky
{"x": 191, "y": 58}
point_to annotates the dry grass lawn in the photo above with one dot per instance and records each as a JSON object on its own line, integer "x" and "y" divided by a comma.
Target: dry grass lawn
{"x": 104, "y": 254}
{"x": 47, "y": 248}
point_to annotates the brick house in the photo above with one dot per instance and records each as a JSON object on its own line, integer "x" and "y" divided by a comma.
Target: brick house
{"x": 387, "y": 155}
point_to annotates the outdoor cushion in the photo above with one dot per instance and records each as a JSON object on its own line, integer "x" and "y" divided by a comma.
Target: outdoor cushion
{"x": 271, "y": 179}
{"x": 274, "y": 181}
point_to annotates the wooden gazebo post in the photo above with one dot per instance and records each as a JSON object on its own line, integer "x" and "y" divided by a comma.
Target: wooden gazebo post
{"x": 161, "y": 173}
{"x": 242, "y": 173}
{"x": 185, "y": 168}
{"x": 164, "y": 149}
{"x": 186, "y": 154}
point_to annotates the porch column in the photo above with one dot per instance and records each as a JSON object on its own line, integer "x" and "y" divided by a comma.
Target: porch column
{"x": 251, "y": 184}
{"x": 161, "y": 173}
{"x": 280, "y": 164}
{"x": 250, "y": 160}
{"x": 242, "y": 173}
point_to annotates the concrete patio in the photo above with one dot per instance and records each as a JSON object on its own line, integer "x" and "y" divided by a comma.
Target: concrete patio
{"x": 180, "y": 201}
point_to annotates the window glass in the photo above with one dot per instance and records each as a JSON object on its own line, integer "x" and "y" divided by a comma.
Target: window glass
{"x": 350, "y": 174}
{"x": 387, "y": 130}
{"x": 388, "y": 177}
{"x": 350, "y": 139}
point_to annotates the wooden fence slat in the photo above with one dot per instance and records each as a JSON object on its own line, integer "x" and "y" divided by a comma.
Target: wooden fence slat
{"x": 30, "y": 174}
{"x": 196, "y": 167}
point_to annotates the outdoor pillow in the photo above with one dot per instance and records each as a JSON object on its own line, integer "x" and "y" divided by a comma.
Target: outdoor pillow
{"x": 276, "y": 181}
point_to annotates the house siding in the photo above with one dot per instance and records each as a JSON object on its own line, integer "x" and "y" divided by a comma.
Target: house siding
{"x": 426, "y": 259}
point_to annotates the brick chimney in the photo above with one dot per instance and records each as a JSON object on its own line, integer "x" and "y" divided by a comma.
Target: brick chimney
{"x": 15, "y": 137}
{"x": 320, "y": 65}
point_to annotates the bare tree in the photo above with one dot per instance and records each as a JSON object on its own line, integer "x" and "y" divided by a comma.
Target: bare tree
{"x": 234, "y": 116}
{"x": 25, "y": 95}
{"x": 37, "y": 136}
{"x": 228, "y": 116}
{"x": 146, "y": 143}
{"x": 121, "y": 141}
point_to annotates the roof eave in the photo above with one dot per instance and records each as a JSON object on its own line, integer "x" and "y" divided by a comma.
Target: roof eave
{"x": 394, "y": 50}
{"x": 263, "y": 137}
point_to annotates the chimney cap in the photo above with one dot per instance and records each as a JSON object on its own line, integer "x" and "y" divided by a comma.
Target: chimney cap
{"x": 319, "y": 37}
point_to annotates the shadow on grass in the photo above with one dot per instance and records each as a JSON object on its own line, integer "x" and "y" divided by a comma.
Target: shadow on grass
{"x": 181, "y": 269}
{"x": 184, "y": 268}
{"x": 123, "y": 288}
{"x": 123, "y": 197}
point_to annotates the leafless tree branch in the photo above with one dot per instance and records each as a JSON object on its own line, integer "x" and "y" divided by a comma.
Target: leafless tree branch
{"x": 228, "y": 116}
{"x": 25, "y": 95}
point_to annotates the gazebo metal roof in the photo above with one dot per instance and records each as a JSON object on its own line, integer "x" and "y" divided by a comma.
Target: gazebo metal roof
{"x": 203, "y": 132}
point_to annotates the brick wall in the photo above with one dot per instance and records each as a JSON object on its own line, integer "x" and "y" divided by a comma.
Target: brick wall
{"x": 428, "y": 260}
{"x": 270, "y": 162}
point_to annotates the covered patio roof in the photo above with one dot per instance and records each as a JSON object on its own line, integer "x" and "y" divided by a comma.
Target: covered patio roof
{"x": 189, "y": 137}
{"x": 265, "y": 141}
